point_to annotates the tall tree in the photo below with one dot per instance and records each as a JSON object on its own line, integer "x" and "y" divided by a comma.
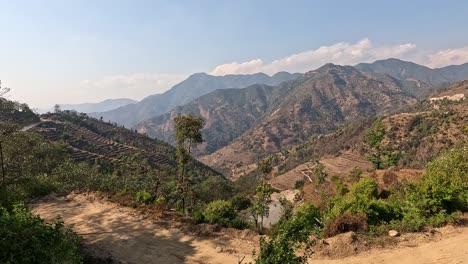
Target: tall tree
{"x": 187, "y": 133}
{"x": 260, "y": 204}
{"x": 3, "y": 90}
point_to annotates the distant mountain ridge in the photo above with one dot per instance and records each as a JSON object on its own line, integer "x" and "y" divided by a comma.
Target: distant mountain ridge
{"x": 102, "y": 106}
{"x": 227, "y": 113}
{"x": 405, "y": 70}
{"x": 268, "y": 118}
{"x": 193, "y": 87}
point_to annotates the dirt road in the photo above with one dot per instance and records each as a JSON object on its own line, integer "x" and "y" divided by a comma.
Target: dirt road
{"x": 127, "y": 236}
{"x": 452, "y": 248}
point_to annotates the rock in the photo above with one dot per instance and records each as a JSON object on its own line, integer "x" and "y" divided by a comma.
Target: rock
{"x": 219, "y": 249}
{"x": 393, "y": 233}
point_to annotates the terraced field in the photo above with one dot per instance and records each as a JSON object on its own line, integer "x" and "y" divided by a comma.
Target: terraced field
{"x": 88, "y": 146}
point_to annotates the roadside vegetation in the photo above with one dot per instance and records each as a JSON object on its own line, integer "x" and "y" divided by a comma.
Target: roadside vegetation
{"x": 440, "y": 197}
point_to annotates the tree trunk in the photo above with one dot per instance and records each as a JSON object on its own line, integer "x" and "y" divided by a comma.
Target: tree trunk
{"x": 3, "y": 165}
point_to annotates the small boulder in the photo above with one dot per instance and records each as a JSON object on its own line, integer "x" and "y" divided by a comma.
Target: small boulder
{"x": 393, "y": 233}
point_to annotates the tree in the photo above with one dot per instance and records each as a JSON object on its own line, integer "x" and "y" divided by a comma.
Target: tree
{"x": 187, "y": 133}
{"x": 3, "y": 90}
{"x": 6, "y": 131}
{"x": 265, "y": 167}
{"x": 260, "y": 204}
{"x": 380, "y": 157}
{"x": 57, "y": 108}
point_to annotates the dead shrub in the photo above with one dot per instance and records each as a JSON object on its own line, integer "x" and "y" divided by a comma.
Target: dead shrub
{"x": 345, "y": 223}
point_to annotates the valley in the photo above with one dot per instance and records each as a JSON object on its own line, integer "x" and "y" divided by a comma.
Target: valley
{"x": 336, "y": 156}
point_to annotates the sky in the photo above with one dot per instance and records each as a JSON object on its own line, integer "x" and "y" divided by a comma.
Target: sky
{"x": 72, "y": 51}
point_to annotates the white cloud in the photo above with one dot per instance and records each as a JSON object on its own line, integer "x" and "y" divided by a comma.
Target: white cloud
{"x": 448, "y": 57}
{"x": 344, "y": 53}
{"x": 135, "y": 86}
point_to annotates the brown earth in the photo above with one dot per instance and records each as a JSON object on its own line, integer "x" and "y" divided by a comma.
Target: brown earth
{"x": 439, "y": 246}
{"x": 126, "y": 235}
{"x": 129, "y": 237}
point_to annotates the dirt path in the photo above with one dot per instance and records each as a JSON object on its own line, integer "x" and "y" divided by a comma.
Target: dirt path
{"x": 451, "y": 249}
{"x": 128, "y": 237}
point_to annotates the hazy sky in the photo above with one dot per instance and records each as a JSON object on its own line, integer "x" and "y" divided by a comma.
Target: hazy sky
{"x": 70, "y": 51}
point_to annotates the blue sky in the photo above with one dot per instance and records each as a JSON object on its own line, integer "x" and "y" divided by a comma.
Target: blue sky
{"x": 84, "y": 51}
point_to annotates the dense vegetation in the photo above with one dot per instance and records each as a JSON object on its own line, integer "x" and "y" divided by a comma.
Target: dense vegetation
{"x": 438, "y": 198}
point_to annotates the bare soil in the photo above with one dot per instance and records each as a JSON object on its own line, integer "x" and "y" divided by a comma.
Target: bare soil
{"x": 126, "y": 235}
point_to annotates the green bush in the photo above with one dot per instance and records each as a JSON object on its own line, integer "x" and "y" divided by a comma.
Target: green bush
{"x": 144, "y": 197}
{"x": 25, "y": 238}
{"x": 241, "y": 202}
{"x": 220, "y": 212}
{"x": 441, "y": 194}
{"x": 289, "y": 236}
{"x": 198, "y": 217}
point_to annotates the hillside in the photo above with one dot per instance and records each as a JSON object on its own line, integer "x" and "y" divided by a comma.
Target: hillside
{"x": 228, "y": 113}
{"x": 318, "y": 103}
{"x": 405, "y": 70}
{"x": 420, "y": 134}
{"x": 194, "y": 86}
{"x": 102, "y": 143}
{"x": 17, "y": 113}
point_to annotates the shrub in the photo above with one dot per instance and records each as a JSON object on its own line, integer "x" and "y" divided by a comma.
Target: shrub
{"x": 345, "y": 223}
{"x": 299, "y": 184}
{"x": 240, "y": 202}
{"x": 220, "y": 212}
{"x": 278, "y": 251}
{"x": 198, "y": 217}
{"x": 290, "y": 236}
{"x": 144, "y": 197}
{"x": 28, "y": 239}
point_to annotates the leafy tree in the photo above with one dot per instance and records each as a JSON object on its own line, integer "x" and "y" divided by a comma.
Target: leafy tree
{"x": 260, "y": 204}
{"x": 265, "y": 167}
{"x": 380, "y": 157}
{"x": 187, "y": 133}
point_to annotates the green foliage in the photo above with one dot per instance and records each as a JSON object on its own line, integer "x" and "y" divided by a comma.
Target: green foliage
{"x": 356, "y": 174}
{"x": 265, "y": 167}
{"x": 440, "y": 195}
{"x": 187, "y": 133}
{"x": 260, "y": 204}
{"x": 376, "y": 134}
{"x": 299, "y": 184}
{"x": 278, "y": 251}
{"x": 290, "y": 236}
{"x": 220, "y": 212}
{"x": 213, "y": 188}
{"x": 144, "y": 197}
{"x": 198, "y": 216}
{"x": 319, "y": 173}
{"x": 379, "y": 156}
{"x": 241, "y": 202}
{"x": 28, "y": 239}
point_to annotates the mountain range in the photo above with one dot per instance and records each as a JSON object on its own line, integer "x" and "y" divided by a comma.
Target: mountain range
{"x": 405, "y": 70}
{"x": 193, "y": 87}
{"x": 105, "y": 105}
{"x": 231, "y": 112}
